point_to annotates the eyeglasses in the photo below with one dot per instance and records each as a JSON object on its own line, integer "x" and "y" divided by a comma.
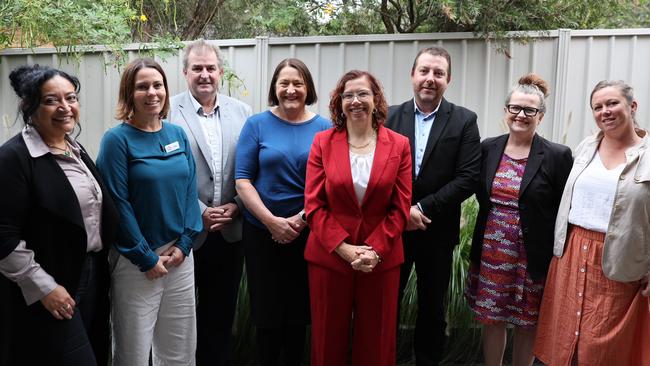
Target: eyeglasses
{"x": 528, "y": 111}
{"x": 361, "y": 95}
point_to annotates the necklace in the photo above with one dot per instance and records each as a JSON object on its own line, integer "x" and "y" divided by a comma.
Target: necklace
{"x": 66, "y": 151}
{"x": 359, "y": 147}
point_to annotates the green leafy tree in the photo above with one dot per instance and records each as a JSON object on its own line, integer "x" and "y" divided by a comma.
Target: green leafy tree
{"x": 65, "y": 24}
{"x": 73, "y": 26}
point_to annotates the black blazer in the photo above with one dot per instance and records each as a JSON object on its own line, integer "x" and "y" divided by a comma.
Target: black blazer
{"x": 40, "y": 206}
{"x": 546, "y": 172}
{"x": 450, "y": 166}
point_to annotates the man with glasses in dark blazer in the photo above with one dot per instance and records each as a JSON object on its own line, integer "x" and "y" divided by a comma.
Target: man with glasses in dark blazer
{"x": 446, "y": 152}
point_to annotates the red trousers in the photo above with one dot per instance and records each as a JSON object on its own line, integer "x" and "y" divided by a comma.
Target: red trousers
{"x": 367, "y": 299}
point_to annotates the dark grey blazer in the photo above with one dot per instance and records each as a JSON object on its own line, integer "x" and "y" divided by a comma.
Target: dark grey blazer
{"x": 546, "y": 172}
{"x": 232, "y": 114}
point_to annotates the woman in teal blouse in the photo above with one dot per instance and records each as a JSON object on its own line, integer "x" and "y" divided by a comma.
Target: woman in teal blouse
{"x": 149, "y": 171}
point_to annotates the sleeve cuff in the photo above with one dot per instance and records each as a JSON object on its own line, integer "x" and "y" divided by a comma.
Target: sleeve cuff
{"x": 185, "y": 245}
{"x": 20, "y": 267}
{"x": 35, "y": 286}
{"x": 202, "y": 206}
{"x": 148, "y": 262}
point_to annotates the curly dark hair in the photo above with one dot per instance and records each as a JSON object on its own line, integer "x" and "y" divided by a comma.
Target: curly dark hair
{"x": 336, "y": 103}
{"x": 27, "y": 81}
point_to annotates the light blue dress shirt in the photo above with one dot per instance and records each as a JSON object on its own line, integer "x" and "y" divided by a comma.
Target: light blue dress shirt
{"x": 423, "y": 124}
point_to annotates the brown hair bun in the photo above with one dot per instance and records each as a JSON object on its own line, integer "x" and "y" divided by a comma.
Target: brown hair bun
{"x": 534, "y": 79}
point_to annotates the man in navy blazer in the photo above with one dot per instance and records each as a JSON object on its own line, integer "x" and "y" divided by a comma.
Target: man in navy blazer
{"x": 446, "y": 152}
{"x": 212, "y": 122}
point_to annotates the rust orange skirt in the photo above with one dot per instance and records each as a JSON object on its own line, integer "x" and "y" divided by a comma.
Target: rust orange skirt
{"x": 585, "y": 316}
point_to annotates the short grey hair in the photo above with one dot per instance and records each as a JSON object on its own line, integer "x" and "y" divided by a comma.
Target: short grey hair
{"x": 200, "y": 45}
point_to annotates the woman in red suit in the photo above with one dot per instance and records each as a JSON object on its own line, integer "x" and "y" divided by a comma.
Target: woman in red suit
{"x": 357, "y": 200}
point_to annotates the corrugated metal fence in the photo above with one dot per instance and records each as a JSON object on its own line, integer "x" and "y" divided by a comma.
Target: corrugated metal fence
{"x": 571, "y": 61}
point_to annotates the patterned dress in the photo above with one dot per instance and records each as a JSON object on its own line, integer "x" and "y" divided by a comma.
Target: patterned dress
{"x": 501, "y": 290}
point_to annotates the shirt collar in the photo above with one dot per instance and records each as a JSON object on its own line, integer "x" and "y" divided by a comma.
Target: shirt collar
{"x": 198, "y": 108}
{"x": 426, "y": 116}
{"x": 642, "y": 133}
{"x": 35, "y": 144}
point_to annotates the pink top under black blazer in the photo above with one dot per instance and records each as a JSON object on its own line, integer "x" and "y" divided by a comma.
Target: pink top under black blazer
{"x": 333, "y": 211}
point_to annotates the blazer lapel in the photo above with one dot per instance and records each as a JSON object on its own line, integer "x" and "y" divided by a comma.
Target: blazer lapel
{"x": 383, "y": 151}
{"x": 492, "y": 160}
{"x": 407, "y": 128}
{"x": 535, "y": 158}
{"x": 186, "y": 110}
{"x": 439, "y": 123}
{"x": 341, "y": 159}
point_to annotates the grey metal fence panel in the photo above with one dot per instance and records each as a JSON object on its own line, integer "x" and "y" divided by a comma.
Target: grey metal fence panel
{"x": 571, "y": 61}
{"x": 598, "y": 55}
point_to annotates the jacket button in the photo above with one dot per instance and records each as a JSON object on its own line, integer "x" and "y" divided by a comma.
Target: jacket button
{"x": 525, "y": 230}
{"x": 211, "y": 178}
{"x": 209, "y": 202}
{"x": 522, "y": 206}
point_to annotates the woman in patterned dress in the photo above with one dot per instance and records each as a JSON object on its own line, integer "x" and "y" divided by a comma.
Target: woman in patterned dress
{"x": 522, "y": 178}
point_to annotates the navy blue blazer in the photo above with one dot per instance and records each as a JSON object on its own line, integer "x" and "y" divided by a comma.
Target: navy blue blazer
{"x": 546, "y": 172}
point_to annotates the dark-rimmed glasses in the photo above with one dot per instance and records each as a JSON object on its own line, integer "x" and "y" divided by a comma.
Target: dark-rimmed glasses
{"x": 528, "y": 111}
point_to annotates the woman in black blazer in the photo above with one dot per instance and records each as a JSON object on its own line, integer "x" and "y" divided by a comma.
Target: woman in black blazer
{"x": 521, "y": 183}
{"x": 56, "y": 224}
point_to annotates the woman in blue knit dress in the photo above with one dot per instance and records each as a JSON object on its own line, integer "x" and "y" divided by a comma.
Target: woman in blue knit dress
{"x": 270, "y": 174}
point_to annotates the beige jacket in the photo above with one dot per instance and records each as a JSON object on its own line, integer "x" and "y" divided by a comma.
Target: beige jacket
{"x": 626, "y": 255}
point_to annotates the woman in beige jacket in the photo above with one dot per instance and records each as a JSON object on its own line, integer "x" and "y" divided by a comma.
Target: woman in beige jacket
{"x": 596, "y": 309}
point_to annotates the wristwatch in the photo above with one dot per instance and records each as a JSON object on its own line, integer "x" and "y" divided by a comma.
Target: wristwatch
{"x": 303, "y": 216}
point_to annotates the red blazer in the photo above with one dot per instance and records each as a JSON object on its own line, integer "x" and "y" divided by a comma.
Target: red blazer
{"x": 333, "y": 211}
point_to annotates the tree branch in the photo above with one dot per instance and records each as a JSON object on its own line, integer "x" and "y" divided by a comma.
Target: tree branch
{"x": 385, "y": 17}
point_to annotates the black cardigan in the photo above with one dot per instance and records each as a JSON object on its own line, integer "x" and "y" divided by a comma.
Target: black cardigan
{"x": 546, "y": 172}
{"x": 38, "y": 204}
